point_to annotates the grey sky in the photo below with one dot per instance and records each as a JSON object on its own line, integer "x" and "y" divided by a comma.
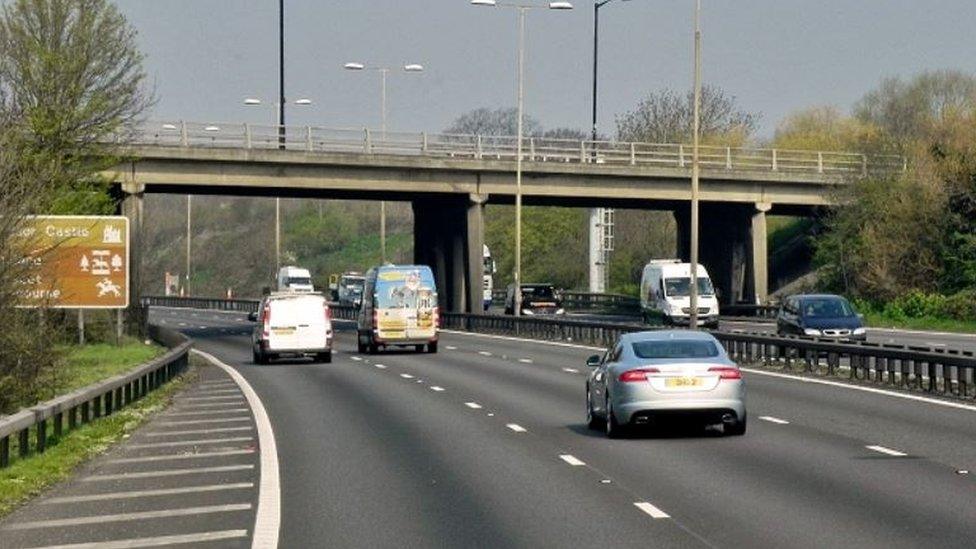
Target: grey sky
{"x": 776, "y": 56}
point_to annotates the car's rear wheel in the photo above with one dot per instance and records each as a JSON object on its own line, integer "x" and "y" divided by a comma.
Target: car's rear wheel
{"x": 592, "y": 421}
{"x": 432, "y": 347}
{"x": 736, "y": 429}
{"x": 613, "y": 429}
{"x": 360, "y": 346}
{"x": 418, "y": 348}
{"x": 324, "y": 357}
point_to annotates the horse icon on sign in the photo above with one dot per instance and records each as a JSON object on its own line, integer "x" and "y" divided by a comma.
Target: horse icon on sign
{"x": 106, "y": 286}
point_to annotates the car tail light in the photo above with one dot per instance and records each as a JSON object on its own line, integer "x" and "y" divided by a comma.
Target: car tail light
{"x": 639, "y": 374}
{"x": 328, "y": 315}
{"x": 727, "y": 372}
{"x": 437, "y": 317}
{"x": 266, "y": 319}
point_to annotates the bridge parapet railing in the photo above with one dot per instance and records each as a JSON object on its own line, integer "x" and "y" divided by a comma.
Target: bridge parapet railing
{"x": 503, "y": 148}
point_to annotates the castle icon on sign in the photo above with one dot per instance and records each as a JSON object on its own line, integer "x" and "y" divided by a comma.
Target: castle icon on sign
{"x": 112, "y": 235}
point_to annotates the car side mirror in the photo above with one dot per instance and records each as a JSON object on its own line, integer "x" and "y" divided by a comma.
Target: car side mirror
{"x": 252, "y": 317}
{"x": 593, "y": 361}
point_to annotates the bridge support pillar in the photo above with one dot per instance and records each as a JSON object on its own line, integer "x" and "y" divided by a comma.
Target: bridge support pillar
{"x": 449, "y": 236}
{"x": 132, "y": 208}
{"x": 732, "y": 247}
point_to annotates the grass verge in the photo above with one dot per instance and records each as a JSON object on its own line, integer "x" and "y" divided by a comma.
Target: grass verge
{"x": 92, "y": 363}
{"x": 26, "y": 478}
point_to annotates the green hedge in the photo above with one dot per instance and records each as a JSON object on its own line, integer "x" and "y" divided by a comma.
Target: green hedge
{"x": 916, "y": 304}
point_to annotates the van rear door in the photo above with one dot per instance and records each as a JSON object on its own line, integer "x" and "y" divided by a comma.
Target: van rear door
{"x": 298, "y": 323}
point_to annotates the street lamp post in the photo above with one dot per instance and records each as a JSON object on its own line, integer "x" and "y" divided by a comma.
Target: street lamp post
{"x": 189, "y": 236}
{"x": 522, "y": 9}
{"x": 279, "y": 109}
{"x": 694, "y": 170}
{"x": 384, "y": 71}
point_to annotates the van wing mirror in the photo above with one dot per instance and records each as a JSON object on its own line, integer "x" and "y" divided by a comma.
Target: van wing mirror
{"x": 593, "y": 361}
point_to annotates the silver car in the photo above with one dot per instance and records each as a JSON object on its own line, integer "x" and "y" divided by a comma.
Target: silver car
{"x": 649, "y": 377}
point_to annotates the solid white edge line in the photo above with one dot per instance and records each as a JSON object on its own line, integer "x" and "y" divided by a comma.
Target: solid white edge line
{"x": 886, "y": 451}
{"x": 874, "y": 390}
{"x": 572, "y": 460}
{"x": 651, "y": 510}
{"x": 775, "y": 420}
{"x": 267, "y": 522}
{"x": 516, "y": 427}
{"x": 158, "y": 541}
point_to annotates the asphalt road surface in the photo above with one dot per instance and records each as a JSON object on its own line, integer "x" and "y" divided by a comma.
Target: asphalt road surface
{"x": 483, "y": 445}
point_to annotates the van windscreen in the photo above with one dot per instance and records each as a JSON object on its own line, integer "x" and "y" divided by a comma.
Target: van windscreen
{"x": 681, "y": 287}
{"x": 299, "y": 280}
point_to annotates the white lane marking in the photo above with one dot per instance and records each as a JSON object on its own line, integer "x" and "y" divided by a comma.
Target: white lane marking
{"x": 191, "y": 442}
{"x": 406, "y": 376}
{"x": 436, "y": 388}
{"x": 525, "y": 360}
{"x": 199, "y": 431}
{"x": 356, "y": 358}
{"x": 170, "y": 457}
{"x": 207, "y": 399}
{"x": 451, "y": 348}
{"x": 168, "y": 473}
{"x": 267, "y": 522}
{"x": 651, "y": 510}
{"x": 182, "y": 323}
{"x": 775, "y": 420}
{"x": 218, "y": 385}
{"x": 380, "y": 366}
{"x": 572, "y": 460}
{"x": 516, "y": 427}
{"x": 98, "y": 519}
{"x": 202, "y": 421}
{"x": 484, "y": 353}
{"x": 491, "y": 415}
{"x": 887, "y": 451}
{"x": 934, "y": 344}
{"x": 958, "y": 335}
{"x": 571, "y": 370}
{"x": 524, "y": 340}
{"x": 473, "y": 405}
{"x": 158, "y": 541}
{"x": 217, "y": 392}
{"x": 215, "y": 407}
{"x": 874, "y": 390}
{"x": 207, "y": 412}
{"x": 150, "y": 493}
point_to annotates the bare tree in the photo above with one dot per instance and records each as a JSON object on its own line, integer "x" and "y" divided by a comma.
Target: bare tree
{"x": 666, "y": 117}
{"x": 497, "y": 122}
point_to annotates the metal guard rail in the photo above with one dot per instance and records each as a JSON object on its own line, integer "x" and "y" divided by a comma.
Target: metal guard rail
{"x": 181, "y": 133}
{"x": 935, "y": 370}
{"x": 103, "y": 398}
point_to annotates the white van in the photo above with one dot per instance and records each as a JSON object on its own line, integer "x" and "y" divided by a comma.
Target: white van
{"x": 294, "y": 279}
{"x": 665, "y": 294}
{"x": 292, "y": 325}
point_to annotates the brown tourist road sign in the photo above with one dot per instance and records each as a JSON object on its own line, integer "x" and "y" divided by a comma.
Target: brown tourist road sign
{"x": 75, "y": 262}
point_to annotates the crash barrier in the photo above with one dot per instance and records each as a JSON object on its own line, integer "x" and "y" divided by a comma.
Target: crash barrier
{"x": 341, "y": 312}
{"x": 92, "y": 402}
{"x": 931, "y": 369}
{"x": 935, "y": 370}
{"x": 619, "y": 304}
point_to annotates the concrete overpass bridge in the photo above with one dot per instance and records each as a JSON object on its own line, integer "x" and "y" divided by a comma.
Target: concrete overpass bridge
{"x": 449, "y": 178}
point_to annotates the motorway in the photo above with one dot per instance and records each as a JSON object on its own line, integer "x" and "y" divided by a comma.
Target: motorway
{"x": 483, "y": 445}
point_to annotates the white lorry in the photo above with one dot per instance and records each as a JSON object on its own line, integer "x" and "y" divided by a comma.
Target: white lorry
{"x": 489, "y": 280}
{"x": 294, "y": 279}
{"x": 665, "y": 294}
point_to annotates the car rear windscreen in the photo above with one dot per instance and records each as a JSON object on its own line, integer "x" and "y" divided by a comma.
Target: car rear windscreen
{"x": 675, "y": 349}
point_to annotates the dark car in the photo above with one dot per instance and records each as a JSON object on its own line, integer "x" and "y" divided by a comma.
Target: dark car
{"x": 820, "y": 315}
{"x": 537, "y": 299}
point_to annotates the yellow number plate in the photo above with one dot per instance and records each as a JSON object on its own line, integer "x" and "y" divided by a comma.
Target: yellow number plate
{"x": 683, "y": 382}
{"x": 283, "y": 331}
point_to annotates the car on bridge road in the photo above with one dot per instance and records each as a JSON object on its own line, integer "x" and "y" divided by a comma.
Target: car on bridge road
{"x": 655, "y": 378}
{"x": 292, "y": 324}
{"x": 820, "y": 315}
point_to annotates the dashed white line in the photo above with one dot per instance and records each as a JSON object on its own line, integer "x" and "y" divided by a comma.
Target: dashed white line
{"x": 158, "y": 541}
{"x": 98, "y": 519}
{"x": 651, "y": 510}
{"x": 473, "y": 405}
{"x": 356, "y": 358}
{"x": 516, "y": 427}
{"x": 150, "y": 493}
{"x": 484, "y": 353}
{"x": 775, "y": 420}
{"x": 451, "y": 348}
{"x": 571, "y": 370}
{"x": 886, "y": 451}
{"x": 436, "y": 388}
{"x": 406, "y": 376}
{"x": 572, "y": 460}
{"x": 525, "y": 360}
{"x": 380, "y": 366}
